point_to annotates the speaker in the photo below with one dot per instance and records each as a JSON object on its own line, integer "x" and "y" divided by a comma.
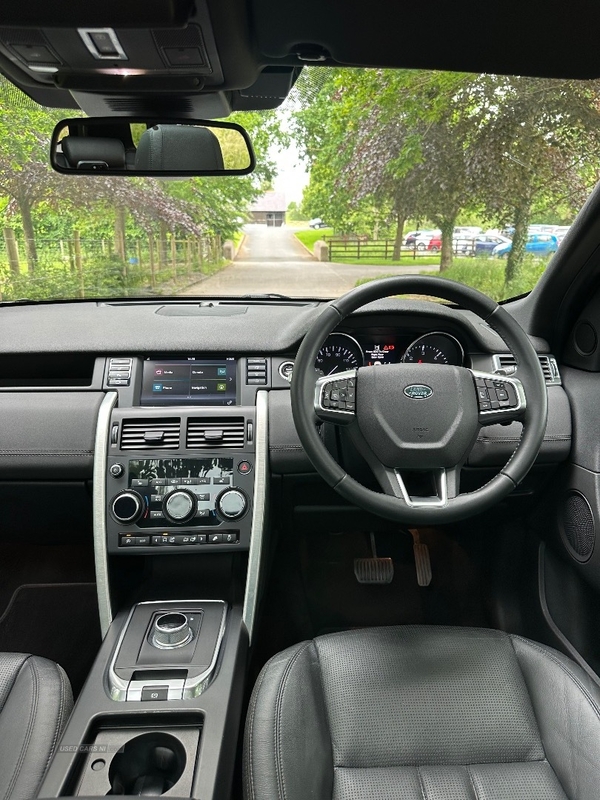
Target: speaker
{"x": 585, "y": 338}
{"x": 577, "y": 525}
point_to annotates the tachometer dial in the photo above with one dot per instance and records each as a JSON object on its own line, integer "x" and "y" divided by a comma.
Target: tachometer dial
{"x": 435, "y": 348}
{"x": 340, "y": 352}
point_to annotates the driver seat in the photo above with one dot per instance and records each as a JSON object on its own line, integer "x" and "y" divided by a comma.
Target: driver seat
{"x": 422, "y": 713}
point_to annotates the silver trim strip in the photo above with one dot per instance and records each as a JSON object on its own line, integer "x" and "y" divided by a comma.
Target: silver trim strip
{"x": 261, "y": 474}
{"x": 118, "y": 689}
{"x": 91, "y": 46}
{"x": 427, "y": 502}
{"x": 99, "y": 510}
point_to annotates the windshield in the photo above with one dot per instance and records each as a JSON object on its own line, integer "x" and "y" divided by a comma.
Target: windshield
{"x": 360, "y": 174}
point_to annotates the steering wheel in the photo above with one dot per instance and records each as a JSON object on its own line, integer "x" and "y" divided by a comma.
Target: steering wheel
{"x": 419, "y": 417}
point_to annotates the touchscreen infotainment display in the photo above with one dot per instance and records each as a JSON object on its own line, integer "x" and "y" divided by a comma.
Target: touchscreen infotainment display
{"x": 190, "y": 381}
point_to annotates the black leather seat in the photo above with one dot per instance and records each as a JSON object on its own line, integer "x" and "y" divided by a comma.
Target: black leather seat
{"x": 35, "y": 702}
{"x": 423, "y": 713}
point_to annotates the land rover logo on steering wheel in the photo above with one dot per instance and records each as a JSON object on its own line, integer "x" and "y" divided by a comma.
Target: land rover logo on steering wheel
{"x": 418, "y": 391}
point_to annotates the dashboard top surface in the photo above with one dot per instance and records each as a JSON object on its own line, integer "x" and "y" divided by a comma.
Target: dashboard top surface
{"x": 270, "y": 327}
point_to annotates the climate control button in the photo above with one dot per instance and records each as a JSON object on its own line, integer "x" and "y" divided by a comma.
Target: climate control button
{"x": 232, "y": 504}
{"x": 127, "y": 507}
{"x": 179, "y": 506}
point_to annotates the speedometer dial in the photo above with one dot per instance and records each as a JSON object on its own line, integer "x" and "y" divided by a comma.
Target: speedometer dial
{"x": 435, "y": 348}
{"x": 340, "y": 352}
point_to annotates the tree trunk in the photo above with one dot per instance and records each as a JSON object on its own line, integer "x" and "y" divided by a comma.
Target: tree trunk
{"x": 12, "y": 251}
{"x": 29, "y": 232}
{"x": 120, "y": 220}
{"x": 517, "y": 251}
{"x": 162, "y": 245}
{"x": 447, "y": 228}
{"x": 400, "y": 222}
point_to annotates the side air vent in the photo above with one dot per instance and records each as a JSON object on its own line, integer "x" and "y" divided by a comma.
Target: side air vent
{"x": 206, "y": 433}
{"x": 548, "y": 364}
{"x": 150, "y": 434}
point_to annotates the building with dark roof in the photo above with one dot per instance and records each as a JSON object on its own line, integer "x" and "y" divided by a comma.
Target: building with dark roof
{"x": 269, "y": 209}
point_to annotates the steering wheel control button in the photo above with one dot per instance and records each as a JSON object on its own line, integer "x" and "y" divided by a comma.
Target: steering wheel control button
{"x": 127, "y": 507}
{"x": 335, "y": 398}
{"x": 232, "y": 504}
{"x": 179, "y": 506}
{"x": 499, "y": 400}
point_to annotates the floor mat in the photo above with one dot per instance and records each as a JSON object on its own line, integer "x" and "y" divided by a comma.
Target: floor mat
{"x": 58, "y": 621}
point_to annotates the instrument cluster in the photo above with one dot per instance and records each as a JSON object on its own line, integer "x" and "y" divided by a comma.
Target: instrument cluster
{"x": 342, "y": 351}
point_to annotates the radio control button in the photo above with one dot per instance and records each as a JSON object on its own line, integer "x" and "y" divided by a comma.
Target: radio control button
{"x": 116, "y": 470}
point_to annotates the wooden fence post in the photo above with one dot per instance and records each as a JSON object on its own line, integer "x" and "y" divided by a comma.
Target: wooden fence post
{"x": 152, "y": 264}
{"x": 12, "y": 251}
{"x": 79, "y": 262}
{"x": 174, "y": 254}
{"x": 188, "y": 256}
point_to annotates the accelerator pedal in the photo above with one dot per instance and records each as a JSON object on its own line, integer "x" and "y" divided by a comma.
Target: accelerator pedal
{"x": 374, "y": 570}
{"x": 422, "y": 559}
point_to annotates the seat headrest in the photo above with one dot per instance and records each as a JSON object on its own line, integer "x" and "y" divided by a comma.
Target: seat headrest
{"x": 178, "y": 147}
{"x": 77, "y": 149}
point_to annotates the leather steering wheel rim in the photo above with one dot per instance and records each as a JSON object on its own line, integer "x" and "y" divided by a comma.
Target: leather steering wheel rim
{"x": 388, "y": 506}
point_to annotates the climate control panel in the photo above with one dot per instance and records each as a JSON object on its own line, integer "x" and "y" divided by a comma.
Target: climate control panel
{"x": 178, "y": 504}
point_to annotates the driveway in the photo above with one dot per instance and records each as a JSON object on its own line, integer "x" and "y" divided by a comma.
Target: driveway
{"x": 272, "y": 260}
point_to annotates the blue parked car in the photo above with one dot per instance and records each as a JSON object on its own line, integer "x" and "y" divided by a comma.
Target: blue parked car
{"x": 485, "y": 243}
{"x": 541, "y": 244}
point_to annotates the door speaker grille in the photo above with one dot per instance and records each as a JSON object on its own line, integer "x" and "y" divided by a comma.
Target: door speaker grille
{"x": 577, "y": 525}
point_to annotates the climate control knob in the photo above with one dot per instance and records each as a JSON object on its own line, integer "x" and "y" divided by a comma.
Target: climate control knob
{"x": 179, "y": 506}
{"x": 127, "y": 507}
{"x": 232, "y": 504}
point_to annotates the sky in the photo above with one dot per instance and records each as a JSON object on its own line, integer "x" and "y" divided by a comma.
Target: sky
{"x": 291, "y": 175}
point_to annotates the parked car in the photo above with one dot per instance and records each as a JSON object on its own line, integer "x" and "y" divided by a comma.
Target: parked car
{"x": 462, "y": 244}
{"x": 421, "y": 239}
{"x": 485, "y": 243}
{"x": 317, "y": 223}
{"x": 541, "y": 244}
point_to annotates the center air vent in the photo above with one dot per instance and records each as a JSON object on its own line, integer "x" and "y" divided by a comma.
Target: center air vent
{"x": 150, "y": 434}
{"x": 210, "y": 433}
{"x": 548, "y": 364}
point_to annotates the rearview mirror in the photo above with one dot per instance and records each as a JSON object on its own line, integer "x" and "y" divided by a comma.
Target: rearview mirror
{"x": 118, "y": 146}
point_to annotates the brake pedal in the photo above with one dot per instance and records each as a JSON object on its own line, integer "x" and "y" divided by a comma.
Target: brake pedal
{"x": 374, "y": 570}
{"x": 422, "y": 559}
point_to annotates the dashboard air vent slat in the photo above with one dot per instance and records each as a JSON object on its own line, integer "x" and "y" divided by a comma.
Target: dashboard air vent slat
{"x": 205, "y": 433}
{"x": 506, "y": 361}
{"x": 150, "y": 434}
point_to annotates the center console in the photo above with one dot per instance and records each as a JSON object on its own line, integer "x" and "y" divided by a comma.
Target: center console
{"x": 180, "y": 479}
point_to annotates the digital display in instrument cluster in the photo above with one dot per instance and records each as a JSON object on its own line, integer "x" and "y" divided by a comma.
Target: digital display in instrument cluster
{"x": 382, "y": 352}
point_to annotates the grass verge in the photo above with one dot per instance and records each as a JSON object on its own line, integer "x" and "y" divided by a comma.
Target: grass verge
{"x": 488, "y": 276}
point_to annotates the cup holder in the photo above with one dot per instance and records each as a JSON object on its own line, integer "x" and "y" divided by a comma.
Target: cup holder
{"x": 149, "y": 764}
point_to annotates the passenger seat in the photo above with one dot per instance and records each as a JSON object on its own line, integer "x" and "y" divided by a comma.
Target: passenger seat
{"x": 35, "y": 703}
